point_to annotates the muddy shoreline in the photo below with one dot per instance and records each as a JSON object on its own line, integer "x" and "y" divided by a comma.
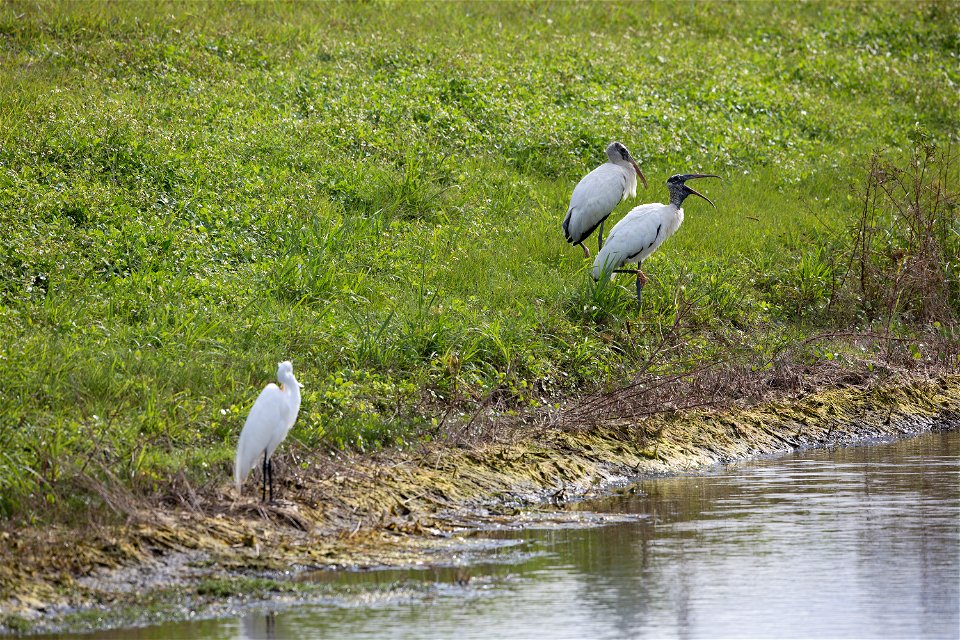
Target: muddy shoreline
{"x": 411, "y": 507}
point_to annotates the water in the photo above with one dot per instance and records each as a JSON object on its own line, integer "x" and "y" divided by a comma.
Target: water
{"x": 850, "y": 542}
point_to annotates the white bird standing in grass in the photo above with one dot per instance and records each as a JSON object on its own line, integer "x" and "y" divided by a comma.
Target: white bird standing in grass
{"x": 598, "y": 193}
{"x": 270, "y": 419}
{"x": 644, "y": 229}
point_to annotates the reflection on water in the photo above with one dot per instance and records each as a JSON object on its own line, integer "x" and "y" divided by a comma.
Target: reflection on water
{"x": 260, "y": 625}
{"x": 852, "y": 542}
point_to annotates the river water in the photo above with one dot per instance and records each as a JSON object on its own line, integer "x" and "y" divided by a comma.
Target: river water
{"x": 849, "y": 542}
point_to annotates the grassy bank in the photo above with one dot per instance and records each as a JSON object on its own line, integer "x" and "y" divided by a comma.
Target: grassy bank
{"x": 191, "y": 193}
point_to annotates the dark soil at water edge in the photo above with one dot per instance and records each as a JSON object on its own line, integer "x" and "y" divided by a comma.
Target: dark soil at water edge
{"x": 397, "y": 509}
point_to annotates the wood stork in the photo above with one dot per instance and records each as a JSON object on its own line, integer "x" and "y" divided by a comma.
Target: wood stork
{"x": 270, "y": 419}
{"x": 644, "y": 229}
{"x": 598, "y": 193}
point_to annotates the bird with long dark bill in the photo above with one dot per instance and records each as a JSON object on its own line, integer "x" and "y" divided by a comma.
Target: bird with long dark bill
{"x": 644, "y": 229}
{"x": 598, "y": 194}
{"x": 268, "y": 423}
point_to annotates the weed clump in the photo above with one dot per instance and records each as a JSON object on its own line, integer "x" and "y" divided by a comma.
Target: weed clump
{"x": 904, "y": 257}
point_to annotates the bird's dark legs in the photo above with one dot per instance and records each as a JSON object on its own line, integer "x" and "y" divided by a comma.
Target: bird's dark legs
{"x": 270, "y": 469}
{"x": 264, "y": 497}
{"x": 641, "y": 276}
{"x": 267, "y": 477}
{"x": 641, "y": 280}
{"x": 600, "y": 237}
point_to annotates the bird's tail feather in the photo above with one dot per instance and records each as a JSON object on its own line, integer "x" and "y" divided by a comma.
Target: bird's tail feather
{"x": 566, "y": 225}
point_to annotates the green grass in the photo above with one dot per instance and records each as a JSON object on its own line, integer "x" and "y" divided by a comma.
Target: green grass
{"x": 190, "y": 193}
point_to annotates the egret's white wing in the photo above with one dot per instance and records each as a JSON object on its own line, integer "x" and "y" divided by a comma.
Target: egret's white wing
{"x": 635, "y": 237}
{"x": 594, "y": 197}
{"x": 268, "y": 415}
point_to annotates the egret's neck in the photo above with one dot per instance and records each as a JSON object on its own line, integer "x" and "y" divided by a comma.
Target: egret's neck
{"x": 291, "y": 388}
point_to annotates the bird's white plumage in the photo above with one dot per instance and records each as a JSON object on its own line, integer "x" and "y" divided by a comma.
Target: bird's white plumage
{"x": 268, "y": 423}
{"x": 637, "y": 235}
{"x": 595, "y": 196}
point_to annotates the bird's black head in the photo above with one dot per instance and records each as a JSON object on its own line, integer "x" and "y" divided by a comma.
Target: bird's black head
{"x": 679, "y": 189}
{"x": 618, "y": 154}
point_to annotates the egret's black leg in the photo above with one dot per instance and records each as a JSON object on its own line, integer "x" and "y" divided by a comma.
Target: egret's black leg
{"x": 600, "y": 235}
{"x": 270, "y": 469}
{"x": 264, "y": 497}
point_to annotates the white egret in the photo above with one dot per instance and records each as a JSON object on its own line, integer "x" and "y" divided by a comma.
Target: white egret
{"x": 270, "y": 419}
{"x": 644, "y": 229}
{"x": 598, "y": 193}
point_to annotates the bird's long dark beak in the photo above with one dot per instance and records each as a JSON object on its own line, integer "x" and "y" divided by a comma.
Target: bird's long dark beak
{"x": 690, "y": 176}
{"x": 697, "y": 193}
{"x": 636, "y": 168}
